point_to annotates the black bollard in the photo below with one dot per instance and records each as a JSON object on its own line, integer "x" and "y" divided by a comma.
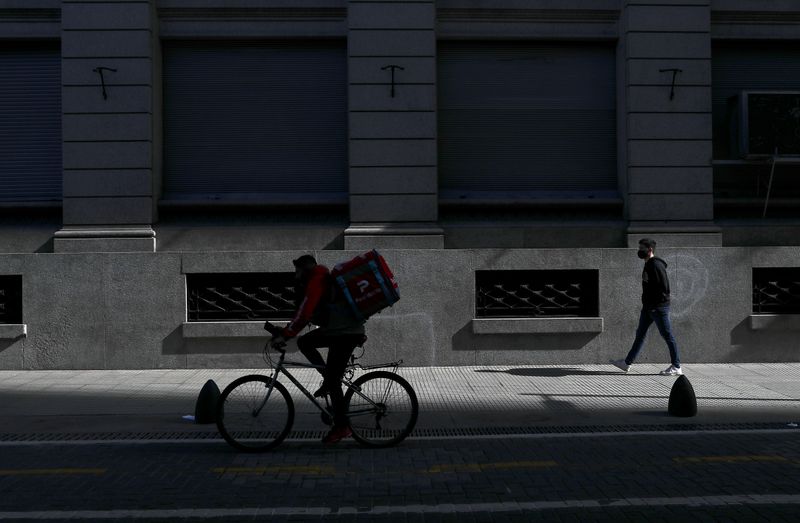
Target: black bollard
{"x": 205, "y": 411}
{"x": 682, "y": 401}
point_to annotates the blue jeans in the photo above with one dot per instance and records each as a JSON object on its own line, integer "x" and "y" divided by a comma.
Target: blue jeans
{"x": 659, "y": 315}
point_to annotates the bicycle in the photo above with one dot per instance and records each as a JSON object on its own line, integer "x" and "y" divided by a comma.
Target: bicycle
{"x": 255, "y": 413}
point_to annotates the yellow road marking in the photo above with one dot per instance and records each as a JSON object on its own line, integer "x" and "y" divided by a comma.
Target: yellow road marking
{"x": 52, "y": 472}
{"x": 731, "y": 459}
{"x": 285, "y": 469}
{"x": 480, "y": 467}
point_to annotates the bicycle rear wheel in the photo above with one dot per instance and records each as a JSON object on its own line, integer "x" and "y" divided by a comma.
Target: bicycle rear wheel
{"x": 248, "y": 423}
{"x": 382, "y": 408}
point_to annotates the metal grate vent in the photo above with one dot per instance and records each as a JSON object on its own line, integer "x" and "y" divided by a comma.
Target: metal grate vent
{"x": 240, "y": 296}
{"x": 537, "y": 293}
{"x": 776, "y": 290}
{"x": 10, "y": 299}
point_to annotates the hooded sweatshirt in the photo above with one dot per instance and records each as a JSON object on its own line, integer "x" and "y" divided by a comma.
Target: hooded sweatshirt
{"x": 655, "y": 283}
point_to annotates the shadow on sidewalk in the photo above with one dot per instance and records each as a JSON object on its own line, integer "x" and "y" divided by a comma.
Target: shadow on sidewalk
{"x": 644, "y": 397}
{"x": 559, "y": 372}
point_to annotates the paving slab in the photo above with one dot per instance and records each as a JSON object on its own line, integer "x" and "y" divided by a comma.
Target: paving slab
{"x": 449, "y": 397}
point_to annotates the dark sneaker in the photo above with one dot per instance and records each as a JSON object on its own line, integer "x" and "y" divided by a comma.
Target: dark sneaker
{"x": 337, "y": 434}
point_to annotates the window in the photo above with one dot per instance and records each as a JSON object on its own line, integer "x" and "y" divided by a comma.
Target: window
{"x": 536, "y": 293}
{"x": 255, "y": 120}
{"x": 240, "y": 296}
{"x": 750, "y": 66}
{"x": 30, "y": 121}
{"x": 525, "y": 118}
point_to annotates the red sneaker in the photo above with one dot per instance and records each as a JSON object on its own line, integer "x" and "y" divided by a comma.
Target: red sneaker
{"x": 337, "y": 434}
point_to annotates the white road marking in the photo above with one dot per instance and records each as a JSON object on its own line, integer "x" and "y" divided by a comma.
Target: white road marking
{"x": 382, "y": 510}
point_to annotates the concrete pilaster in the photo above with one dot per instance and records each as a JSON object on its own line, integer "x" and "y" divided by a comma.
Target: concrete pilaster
{"x": 667, "y": 132}
{"x": 109, "y": 151}
{"x": 392, "y": 125}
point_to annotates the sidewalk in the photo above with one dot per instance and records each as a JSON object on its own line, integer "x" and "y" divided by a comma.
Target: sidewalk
{"x": 450, "y": 397}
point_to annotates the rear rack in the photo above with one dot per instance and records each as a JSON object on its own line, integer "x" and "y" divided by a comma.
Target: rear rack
{"x": 390, "y": 364}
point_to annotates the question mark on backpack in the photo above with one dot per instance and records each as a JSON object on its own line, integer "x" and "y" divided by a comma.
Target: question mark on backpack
{"x": 362, "y": 285}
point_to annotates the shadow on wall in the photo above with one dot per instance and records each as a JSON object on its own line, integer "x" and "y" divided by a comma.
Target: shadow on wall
{"x": 763, "y": 346}
{"x": 336, "y": 244}
{"x": 409, "y": 336}
{"x": 238, "y": 229}
{"x": 465, "y": 340}
{"x": 175, "y": 343}
{"x": 46, "y": 247}
{"x": 8, "y": 343}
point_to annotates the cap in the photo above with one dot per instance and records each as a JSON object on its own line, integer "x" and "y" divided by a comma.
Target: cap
{"x": 303, "y": 260}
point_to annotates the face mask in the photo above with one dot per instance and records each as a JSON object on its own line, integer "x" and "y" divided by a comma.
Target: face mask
{"x": 642, "y": 253}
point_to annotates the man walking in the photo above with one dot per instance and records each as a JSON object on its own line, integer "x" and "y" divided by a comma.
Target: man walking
{"x": 655, "y": 309}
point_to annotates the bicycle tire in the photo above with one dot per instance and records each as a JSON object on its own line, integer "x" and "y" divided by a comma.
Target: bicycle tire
{"x": 369, "y": 431}
{"x": 237, "y": 402}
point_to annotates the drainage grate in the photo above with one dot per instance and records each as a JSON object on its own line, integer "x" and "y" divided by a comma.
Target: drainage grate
{"x": 589, "y": 429}
{"x": 419, "y": 433}
{"x": 108, "y": 436}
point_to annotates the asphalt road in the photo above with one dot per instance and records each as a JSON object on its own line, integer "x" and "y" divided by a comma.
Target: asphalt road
{"x": 734, "y": 476}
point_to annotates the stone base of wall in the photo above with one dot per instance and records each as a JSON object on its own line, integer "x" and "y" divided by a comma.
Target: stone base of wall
{"x": 128, "y": 310}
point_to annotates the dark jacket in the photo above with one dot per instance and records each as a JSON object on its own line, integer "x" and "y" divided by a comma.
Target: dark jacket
{"x": 655, "y": 283}
{"x": 321, "y": 307}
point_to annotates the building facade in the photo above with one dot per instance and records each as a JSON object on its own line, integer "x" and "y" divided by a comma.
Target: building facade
{"x": 162, "y": 161}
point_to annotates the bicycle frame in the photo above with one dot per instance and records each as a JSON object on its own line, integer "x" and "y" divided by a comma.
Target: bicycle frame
{"x": 280, "y": 368}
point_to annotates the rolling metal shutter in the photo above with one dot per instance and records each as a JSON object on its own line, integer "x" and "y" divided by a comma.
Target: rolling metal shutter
{"x": 30, "y": 122}
{"x": 517, "y": 117}
{"x": 753, "y": 66}
{"x": 255, "y": 119}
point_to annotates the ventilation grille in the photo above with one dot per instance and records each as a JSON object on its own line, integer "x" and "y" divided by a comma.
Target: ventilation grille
{"x": 240, "y": 296}
{"x": 539, "y": 293}
{"x": 10, "y": 299}
{"x": 776, "y": 290}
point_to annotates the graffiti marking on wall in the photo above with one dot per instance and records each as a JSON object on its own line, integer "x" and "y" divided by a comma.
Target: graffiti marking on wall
{"x": 690, "y": 285}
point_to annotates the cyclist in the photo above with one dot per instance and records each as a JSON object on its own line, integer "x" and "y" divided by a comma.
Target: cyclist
{"x": 339, "y": 330}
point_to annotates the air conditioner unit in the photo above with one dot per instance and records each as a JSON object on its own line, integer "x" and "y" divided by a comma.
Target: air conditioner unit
{"x": 764, "y": 121}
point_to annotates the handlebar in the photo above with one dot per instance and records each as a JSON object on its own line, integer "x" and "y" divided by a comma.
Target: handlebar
{"x": 272, "y": 329}
{"x": 275, "y": 331}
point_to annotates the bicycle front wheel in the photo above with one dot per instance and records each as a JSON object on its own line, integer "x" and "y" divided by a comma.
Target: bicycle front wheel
{"x": 382, "y": 408}
{"x": 248, "y": 419}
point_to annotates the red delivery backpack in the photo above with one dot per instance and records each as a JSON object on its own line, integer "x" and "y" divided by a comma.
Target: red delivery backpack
{"x": 366, "y": 283}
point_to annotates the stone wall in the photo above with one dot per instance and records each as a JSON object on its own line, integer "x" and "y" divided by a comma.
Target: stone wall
{"x": 127, "y": 310}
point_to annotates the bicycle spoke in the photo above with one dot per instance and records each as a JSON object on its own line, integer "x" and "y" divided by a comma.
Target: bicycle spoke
{"x": 388, "y": 391}
{"x": 382, "y": 409}
{"x": 250, "y": 395}
{"x": 252, "y": 420}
